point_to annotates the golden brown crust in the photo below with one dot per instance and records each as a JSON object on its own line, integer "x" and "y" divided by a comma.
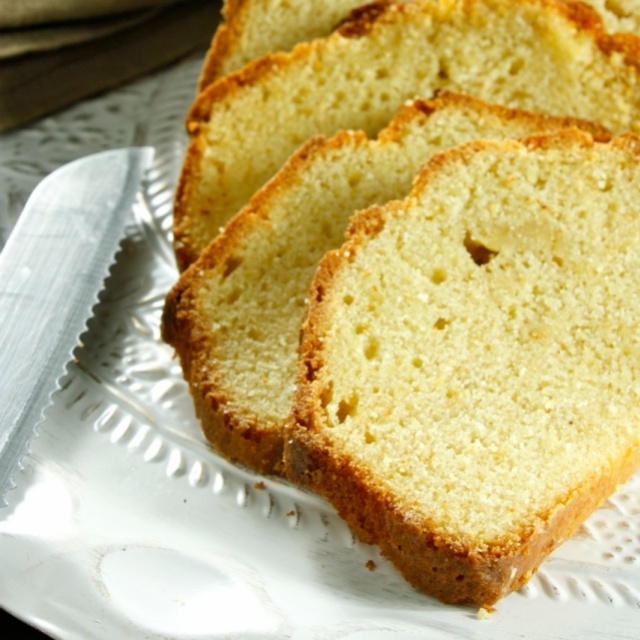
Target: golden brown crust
{"x": 567, "y": 137}
{"x": 315, "y": 146}
{"x": 626, "y": 44}
{"x": 182, "y": 223}
{"x": 237, "y": 437}
{"x": 225, "y": 40}
{"x": 223, "y": 88}
{"x": 259, "y": 449}
{"x": 446, "y": 97}
{"x": 571, "y": 137}
{"x": 581, "y": 13}
{"x": 361, "y": 19}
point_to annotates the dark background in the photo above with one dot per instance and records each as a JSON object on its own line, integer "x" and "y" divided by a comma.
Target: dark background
{"x": 12, "y": 629}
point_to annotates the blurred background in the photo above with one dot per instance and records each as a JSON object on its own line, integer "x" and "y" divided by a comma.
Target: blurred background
{"x": 56, "y": 52}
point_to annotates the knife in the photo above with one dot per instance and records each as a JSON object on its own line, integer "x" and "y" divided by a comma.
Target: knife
{"x": 51, "y": 271}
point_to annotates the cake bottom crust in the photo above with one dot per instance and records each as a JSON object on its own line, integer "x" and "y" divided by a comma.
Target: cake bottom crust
{"x": 431, "y": 562}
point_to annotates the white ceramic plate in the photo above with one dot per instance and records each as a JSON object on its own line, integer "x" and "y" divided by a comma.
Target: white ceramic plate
{"x": 125, "y": 525}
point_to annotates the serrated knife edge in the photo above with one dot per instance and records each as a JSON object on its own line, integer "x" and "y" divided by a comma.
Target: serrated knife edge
{"x": 51, "y": 271}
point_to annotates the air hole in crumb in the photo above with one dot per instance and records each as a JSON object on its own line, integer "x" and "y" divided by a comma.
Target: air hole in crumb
{"x": 438, "y": 276}
{"x": 369, "y": 438}
{"x": 372, "y": 348}
{"x": 254, "y": 334}
{"x": 559, "y": 261}
{"x": 231, "y": 265}
{"x": 516, "y": 67}
{"x": 479, "y": 253}
{"x": 360, "y": 328}
{"x": 459, "y": 578}
{"x": 443, "y": 72}
{"x": 347, "y": 408}
{"x": 354, "y": 179}
{"x": 417, "y": 363}
{"x": 440, "y": 324}
{"x": 348, "y": 299}
{"x": 326, "y": 396}
{"x": 233, "y": 296}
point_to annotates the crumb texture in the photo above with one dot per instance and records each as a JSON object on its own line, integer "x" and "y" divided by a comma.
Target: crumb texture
{"x": 478, "y": 356}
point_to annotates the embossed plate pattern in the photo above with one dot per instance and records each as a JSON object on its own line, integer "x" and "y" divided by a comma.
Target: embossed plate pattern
{"x": 125, "y": 525}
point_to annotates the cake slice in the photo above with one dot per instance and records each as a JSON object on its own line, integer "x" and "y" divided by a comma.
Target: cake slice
{"x": 469, "y": 385}
{"x": 541, "y": 55}
{"x": 234, "y": 317}
{"x": 253, "y": 28}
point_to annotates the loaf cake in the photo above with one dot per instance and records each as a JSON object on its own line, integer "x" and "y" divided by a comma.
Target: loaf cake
{"x": 234, "y": 317}
{"x": 469, "y": 383}
{"x": 542, "y": 55}
{"x": 252, "y": 28}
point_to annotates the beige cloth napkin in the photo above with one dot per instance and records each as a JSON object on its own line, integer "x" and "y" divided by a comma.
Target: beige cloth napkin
{"x": 55, "y": 52}
{"x": 28, "y": 13}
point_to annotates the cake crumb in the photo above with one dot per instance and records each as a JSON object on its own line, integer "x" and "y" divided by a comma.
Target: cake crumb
{"x": 370, "y": 564}
{"x": 484, "y": 613}
{"x": 260, "y": 486}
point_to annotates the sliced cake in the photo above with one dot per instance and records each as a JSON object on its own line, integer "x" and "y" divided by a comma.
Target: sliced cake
{"x": 469, "y": 386}
{"x": 234, "y": 317}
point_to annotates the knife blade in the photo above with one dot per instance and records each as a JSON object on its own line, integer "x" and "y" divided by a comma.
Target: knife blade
{"x": 52, "y": 269}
